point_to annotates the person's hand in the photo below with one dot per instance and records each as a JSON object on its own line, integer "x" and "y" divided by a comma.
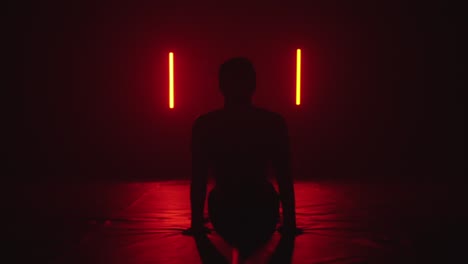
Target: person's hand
{"x": 196, "y": 231}
{"x": 290, "y": 231}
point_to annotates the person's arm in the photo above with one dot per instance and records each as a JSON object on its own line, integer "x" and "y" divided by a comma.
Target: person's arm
{"x": 199, "y": 176}
{"x": 282, "y": 165}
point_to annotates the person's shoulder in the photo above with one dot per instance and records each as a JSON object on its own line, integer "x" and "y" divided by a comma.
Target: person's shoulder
{"x": 207, "y": 117}
{"x": 271, "y": 115}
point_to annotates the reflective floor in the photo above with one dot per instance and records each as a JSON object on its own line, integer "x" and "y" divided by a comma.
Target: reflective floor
{"x": 343, "y": 222}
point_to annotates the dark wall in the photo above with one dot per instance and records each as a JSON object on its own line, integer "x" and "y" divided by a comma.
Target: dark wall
{"x": 381, "y": 86}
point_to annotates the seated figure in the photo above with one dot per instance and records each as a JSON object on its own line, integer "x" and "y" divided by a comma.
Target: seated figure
{"x": 238, "y": 143}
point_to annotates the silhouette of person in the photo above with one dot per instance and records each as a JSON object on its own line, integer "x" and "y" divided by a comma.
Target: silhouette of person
{"x": 238, "y": 143}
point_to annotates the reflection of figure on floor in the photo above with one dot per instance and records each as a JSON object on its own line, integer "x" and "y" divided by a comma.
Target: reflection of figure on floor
{"x": 210, "y": 254}
{"x": 238, "y": 142}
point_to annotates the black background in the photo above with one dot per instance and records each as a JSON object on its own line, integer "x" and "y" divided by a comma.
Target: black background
{"x": 382, "y": 85}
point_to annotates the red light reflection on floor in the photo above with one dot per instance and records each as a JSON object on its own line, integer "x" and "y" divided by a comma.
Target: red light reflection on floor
{"x": 349, "y": 222}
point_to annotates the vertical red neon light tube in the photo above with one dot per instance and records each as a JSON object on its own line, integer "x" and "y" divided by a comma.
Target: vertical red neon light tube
{"x": 171, "y": 80}
{"x": 298, "y": 77}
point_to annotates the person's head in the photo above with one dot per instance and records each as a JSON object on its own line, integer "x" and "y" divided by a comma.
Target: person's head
{"x": 237, "y": 80}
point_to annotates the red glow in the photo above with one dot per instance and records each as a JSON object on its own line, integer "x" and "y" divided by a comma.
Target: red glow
{"x": 235, "y": 256}
{"x": 298, "y": 77}
{"x": 171, "y": 80}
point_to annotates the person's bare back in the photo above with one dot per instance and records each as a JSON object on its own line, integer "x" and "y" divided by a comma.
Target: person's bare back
{"x": 240, "y": 144}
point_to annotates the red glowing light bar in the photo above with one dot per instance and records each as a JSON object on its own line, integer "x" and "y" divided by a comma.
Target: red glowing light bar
{"x": 298, "y": 77}
{"x": 171, "y": 80}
